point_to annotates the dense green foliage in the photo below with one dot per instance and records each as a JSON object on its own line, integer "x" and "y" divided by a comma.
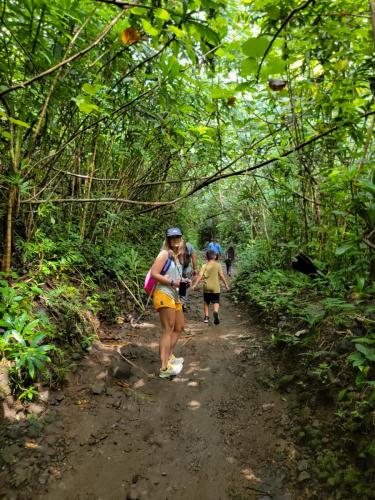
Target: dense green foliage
{"x": 118, "y": 120}
{"x": 323, "y": 338}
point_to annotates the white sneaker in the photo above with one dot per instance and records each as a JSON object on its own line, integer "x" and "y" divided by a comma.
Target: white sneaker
{"x": 170, "y": 371}
{"x": 175, "y": 361}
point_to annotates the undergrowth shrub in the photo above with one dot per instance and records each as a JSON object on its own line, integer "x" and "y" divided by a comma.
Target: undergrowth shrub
{"x": 119, "y": 272}
{"x": 24, "y": 340}
{"x": 39, "y": 327}
{"x": 327, "y": 329}
{"x": 47, "y": 317}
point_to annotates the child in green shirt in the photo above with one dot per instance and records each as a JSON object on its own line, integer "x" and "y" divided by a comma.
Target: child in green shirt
{"x": 211, "y": 273}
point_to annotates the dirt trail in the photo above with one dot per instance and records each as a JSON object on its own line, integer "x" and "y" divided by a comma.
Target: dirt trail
{"x": 215, "y": 432}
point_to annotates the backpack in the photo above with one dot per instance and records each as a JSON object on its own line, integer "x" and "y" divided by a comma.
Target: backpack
{"x": 187, "y": 257}
{"x": 150, "y": 282}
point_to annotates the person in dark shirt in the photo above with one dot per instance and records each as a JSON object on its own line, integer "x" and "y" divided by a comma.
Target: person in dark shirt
{"x": 229, "y": 258}
{"x": 189, "y": 268}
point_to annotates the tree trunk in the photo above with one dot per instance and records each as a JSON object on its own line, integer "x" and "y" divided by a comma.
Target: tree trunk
{"x": 91, "y": 168}
{"x": 6, "y": 264}
{"x": 372, "y": 8}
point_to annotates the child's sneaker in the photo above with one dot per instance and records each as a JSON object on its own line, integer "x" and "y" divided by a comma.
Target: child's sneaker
{"x": 175, "y": 361}
{"x": 216, "y": 318}
{"x": 206, "y": 318}
{"x": 170, "y": 371}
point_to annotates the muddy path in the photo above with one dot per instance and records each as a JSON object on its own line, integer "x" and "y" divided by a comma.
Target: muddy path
{"x": 215, "y": 432}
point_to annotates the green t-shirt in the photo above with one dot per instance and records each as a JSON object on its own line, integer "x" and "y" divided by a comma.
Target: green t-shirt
{"x": 210, "y": 273}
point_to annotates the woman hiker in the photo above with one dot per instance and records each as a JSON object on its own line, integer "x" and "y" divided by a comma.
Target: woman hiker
{"x": 167, "y": 300}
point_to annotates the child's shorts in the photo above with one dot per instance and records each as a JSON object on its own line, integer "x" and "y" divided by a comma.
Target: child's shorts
{"x": 161, "y": 299}
{"x": 211, "y": 298}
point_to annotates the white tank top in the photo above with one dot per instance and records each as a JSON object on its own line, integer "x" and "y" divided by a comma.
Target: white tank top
{"x": 174, "y": 273}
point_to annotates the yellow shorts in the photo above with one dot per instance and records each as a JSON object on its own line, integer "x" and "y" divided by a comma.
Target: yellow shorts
{"x": 161, "y": 299}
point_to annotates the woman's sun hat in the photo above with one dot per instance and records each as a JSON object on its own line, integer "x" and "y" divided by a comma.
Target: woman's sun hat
{"x": 173, "y": 232}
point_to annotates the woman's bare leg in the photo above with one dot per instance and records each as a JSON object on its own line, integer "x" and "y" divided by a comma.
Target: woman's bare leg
{"x": 179, "y": 325}
{"x": 167, "y": 319}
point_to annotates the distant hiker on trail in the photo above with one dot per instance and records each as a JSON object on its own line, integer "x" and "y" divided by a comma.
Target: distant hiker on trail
{"x": 167, "y": 300}
{"x": 211, "y": 273}
{"x": 229, "y": 258}
{"x": 189, "y": 268}
{"x": 215, "y": 247}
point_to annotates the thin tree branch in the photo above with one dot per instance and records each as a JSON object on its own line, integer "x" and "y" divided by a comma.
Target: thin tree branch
{"x": 172, "y": 181}
{"x": 124, "y": 201}
{"x": 3, "y": 12}
{"x": 118, "y": 53}
{"x": 126, "y": 75}
{"x": 78, "y": 133}
{"x": 43, "y": 110}
{"x": 75, "y": 56}
{"x": 27, "y": 54}
{"x": 287, "y": 188}
{"x": 81, "y": 176}
{"x": 94, "y": 124}
{"x": 285, "y": 22}
{"x": 242, "y": 155}
{"x": 210, "y": 180}
{"x": 38, "y": 29}
{"x": 368, "y": 243}
{"x": 283, "y": 155}
{"x": 126, "y": 5}
{"x": 216, "y": 178}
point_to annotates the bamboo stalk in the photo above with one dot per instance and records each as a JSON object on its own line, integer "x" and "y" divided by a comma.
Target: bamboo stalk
{"x": 7, "y": 257}
{"x": 88, "y": 190}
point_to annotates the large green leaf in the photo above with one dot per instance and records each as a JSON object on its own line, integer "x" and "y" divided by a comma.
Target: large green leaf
{"x": 139, "y": 11}
{"x": 367, "y": 186}
{"x": 249, "y": 66}
{"x": 149, "y": 29}
{"x": 368, "y": 352}
{"x": 84, "y": 104}
{"x": 220, "y": 93}
{"x": 274, "y": 66}
{"x": 255, "y": 47}
{"x": 344, "y": 249}
{"x": 206, "y": 33}
{"x": 91, "y": 89}
{"x": 20, "y": 123}
{"x": 162, "y": 14}
{"x": 176, "y": 31}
